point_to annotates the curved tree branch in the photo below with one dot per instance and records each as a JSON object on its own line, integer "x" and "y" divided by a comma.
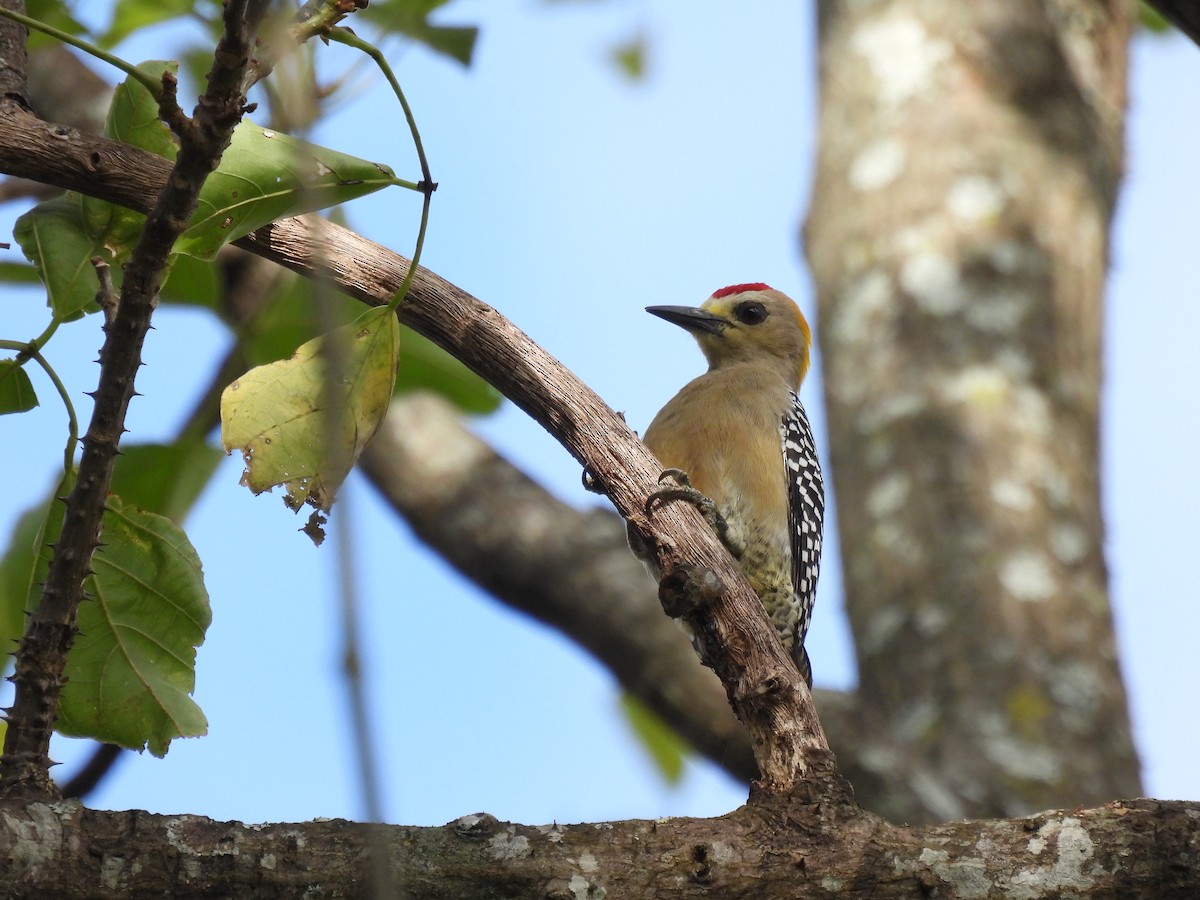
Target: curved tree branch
{"x": 762, "y": 684}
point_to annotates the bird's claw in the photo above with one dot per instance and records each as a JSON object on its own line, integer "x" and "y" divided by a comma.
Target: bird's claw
{"x": 680, "y": 476}
{"x": 683, "y": 490}
{"x": 590, "y": 483}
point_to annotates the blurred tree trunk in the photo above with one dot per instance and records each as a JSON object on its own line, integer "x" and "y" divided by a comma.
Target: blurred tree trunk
{"x": 969, "y": 160}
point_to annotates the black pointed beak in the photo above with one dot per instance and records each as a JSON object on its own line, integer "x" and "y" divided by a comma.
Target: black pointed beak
{"x": 691, "y": 318}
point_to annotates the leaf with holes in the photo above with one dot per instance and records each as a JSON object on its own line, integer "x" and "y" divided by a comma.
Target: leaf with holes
{"x": 132, "y": 669}
{"x": 279, "y": 414}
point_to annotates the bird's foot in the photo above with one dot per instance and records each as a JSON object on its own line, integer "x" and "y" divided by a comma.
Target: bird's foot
{"x": 590, "y": 482}
{"x": 682, "y": 490}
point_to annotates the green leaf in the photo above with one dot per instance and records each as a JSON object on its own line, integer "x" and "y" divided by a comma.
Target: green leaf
{"x": 16, "y": 572}
{"x": 266, "y": 175}
{"x": 132, "y": 119}
{"x": 665, "y": 747}
{"x": 455, "y": 41}
{"x": 53, "y": 237}
{"x": 131, "y": 672}
{"x": 18, "y": 273}
{"x": 277, "y": 414}
{"x": 411, "y": 18}
{"x": 165, "y": 478}
{"x": 194, "y": 282}
{"x": 1151, "y": 19}
{"x": 16, "y": 390}
{"x": 133, "y": 113}
{"x": 425, "y": 365}
{"x": 132, "y": 15}
{"x": 287, "y": 318}
{"x": 25, "y": 563}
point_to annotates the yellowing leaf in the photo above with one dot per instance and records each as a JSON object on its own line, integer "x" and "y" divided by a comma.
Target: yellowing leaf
{"x": 297, "y": 428}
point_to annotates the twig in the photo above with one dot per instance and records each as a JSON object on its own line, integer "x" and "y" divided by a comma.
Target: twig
{"x": 106, "y": 297}
{"x": 99, "y": 764}
{"x": 41, "y": 656}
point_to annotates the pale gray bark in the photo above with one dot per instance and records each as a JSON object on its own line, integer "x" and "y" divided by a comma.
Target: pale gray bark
{"x": 968, "y": 164}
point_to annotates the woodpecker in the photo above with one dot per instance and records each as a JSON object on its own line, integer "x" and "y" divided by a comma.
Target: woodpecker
{"x": 738, "y": 436}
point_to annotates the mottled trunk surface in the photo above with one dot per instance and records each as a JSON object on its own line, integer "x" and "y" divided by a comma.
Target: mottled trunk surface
{"x": 969, "y": 160}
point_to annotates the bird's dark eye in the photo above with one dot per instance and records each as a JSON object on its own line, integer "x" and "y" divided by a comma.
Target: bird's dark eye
{"x": 750, "y": 313}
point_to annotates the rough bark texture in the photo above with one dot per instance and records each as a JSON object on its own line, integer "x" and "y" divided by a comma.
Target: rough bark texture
{"x": 14, "y": 60}
{"x": 702, "y": 584}
{"x": 968, "y": 165}
{"x": 795, "y": 849}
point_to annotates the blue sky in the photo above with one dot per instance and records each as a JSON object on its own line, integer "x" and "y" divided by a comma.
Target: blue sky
{"x": 570, "y": 198}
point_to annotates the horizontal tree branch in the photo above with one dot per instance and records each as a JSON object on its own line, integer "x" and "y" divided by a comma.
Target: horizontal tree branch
{"x": 787, "y": 848}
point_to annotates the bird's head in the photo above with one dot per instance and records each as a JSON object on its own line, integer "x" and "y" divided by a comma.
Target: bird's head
{"x": 747, "y": 323}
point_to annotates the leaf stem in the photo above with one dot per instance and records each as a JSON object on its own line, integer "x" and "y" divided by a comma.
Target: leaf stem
{"x": 350, "y": 39}
{"x": 29, "y": 351}
{"x": 402, "y": 292}
{"x": 152, "y": 85}
{"x": 427, "y": 185}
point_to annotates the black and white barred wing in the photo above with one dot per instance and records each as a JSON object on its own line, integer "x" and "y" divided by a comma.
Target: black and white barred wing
{"x": 806, "y": 515}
